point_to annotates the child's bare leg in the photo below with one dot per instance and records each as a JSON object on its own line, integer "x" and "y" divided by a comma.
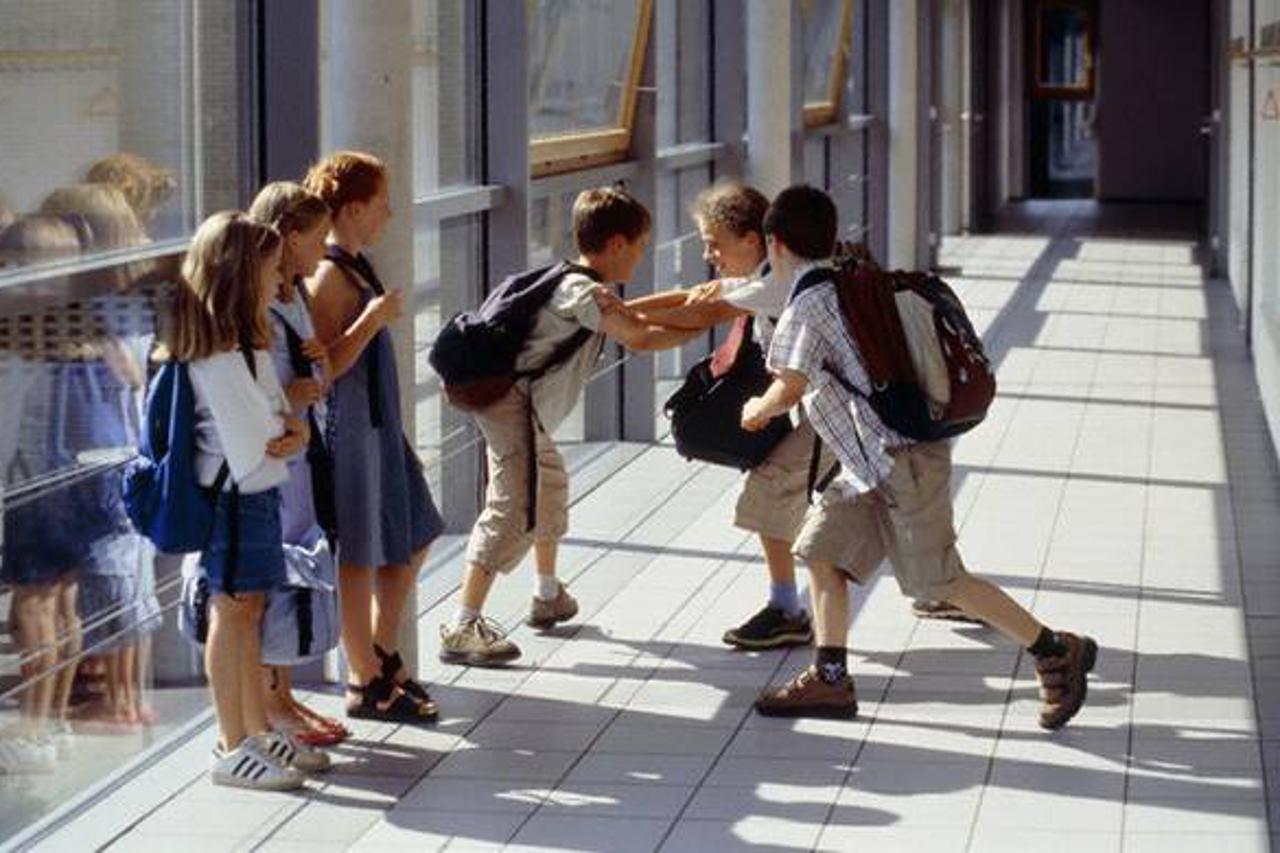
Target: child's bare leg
{"x": 71, "y": 642}
{"x": 230, "y": 620}
{"x": 995, "y": 607}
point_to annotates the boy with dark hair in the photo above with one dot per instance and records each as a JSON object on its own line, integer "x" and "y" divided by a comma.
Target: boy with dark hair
{"x": 892, "y": 498}
{"x": 774, "y": 496}
{"x": 611, "y": 229}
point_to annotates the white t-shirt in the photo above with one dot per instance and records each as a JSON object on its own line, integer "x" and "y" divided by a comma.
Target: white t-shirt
{"x": 236, "y": 417}
{"x": 763, "y": 295}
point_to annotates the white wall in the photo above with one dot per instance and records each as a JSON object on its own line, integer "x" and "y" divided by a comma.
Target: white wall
{"x": 1152, "y": 98}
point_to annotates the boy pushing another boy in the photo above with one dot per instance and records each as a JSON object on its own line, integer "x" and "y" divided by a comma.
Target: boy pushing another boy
{"x": 892, "y": 498}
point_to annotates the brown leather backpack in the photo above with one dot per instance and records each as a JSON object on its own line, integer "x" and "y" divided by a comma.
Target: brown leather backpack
{"x": 930, "y": 377}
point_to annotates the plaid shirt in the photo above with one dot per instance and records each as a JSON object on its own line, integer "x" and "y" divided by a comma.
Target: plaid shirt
{"x": 810, "y": 336}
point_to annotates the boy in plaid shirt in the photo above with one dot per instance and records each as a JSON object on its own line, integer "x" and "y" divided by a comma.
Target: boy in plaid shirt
{"x": 892, "y": 499}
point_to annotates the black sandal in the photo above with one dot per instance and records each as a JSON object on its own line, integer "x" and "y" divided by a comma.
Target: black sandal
{"x": 379, "y": 700}
{"x": 392, "y": 663}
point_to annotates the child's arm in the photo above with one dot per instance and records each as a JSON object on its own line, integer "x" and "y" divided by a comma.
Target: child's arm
{"x": 781, "y": 397}
{"x": 636, "y": 334}
{"x": 694, "y": 316}
{"x": 333, "y": 302}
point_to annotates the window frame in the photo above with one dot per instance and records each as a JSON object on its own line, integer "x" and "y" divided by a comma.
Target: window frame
{"x": 555, "y": 154}
{"x": 827, "y": 111}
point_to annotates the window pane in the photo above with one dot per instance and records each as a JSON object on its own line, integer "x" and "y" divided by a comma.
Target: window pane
{"x": 693, "y": 64}
{"x": 820, "y": 20}
{"x": 99, "y": 126}
{"x": 443, "y": 118}
{"x": 579, "y": 57}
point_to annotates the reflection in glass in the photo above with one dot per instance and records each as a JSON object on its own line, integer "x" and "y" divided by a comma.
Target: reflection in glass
{"x": 821, "y": 25}
{"x": 579, "y": 58}
{"x": 87, "y": 99}
{"x": 1064, "y": 46}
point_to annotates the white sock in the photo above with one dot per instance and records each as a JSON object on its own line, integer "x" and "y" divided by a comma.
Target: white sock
{"x": 464, "y": 615}
{"x": 548, "y": 587}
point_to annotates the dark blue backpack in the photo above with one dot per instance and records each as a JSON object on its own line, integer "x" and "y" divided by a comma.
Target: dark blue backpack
{"x": 475, "y": 353}
{"x": 162, "y": 495}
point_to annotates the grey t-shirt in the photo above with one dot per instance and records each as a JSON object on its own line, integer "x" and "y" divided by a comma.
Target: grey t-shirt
{"x": 571, "y": 307}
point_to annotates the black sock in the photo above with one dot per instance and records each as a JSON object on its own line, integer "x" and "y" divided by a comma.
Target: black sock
{"x": 1047, "y": 645}
{"x": 832, "y": 663}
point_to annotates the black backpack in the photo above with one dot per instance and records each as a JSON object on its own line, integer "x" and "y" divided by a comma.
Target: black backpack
{"x": 706, "y": 411}
{"x": 475, "y": 353}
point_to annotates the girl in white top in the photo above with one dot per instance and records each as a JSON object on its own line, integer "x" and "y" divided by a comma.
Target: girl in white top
{"x": 220, "y": 331}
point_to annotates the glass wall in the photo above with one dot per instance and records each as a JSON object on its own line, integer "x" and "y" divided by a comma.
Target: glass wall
{"x": 447, "y": 265}
{"x": 114, "y": 148}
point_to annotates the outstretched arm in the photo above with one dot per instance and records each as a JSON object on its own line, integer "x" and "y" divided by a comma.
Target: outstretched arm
{"x": 636, "y": 334}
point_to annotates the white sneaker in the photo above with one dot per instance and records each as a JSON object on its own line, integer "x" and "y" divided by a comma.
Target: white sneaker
{"x": 246, "y": 767}
{"x": 282, "y": 748}
{"x": 63, "y": 738}
{"x": 19, "y": 755}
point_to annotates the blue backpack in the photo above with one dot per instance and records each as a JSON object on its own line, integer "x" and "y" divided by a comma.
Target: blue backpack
{"x": 162, "y": 496}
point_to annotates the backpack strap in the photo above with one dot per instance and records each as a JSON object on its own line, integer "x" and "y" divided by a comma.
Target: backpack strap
{"x": 358, "y": 267}
{"x": 568, "y": 347}
{"x": 562, "y": 353}
{"x": 811, "y": 279}
{"x": 306, "y": 620}
{"x": 317, "y": 453}
{"x": 816, "y": 485}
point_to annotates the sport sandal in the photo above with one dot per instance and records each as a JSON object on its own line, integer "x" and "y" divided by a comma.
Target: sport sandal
{"x": 381, "y": 700}
{"x": 392, "y": 663}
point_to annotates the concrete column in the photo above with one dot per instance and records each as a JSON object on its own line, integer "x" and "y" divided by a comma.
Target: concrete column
{"x": 775, "y": 95}
{"x": 368, "y": 85}
{"x": 906, "y": 114}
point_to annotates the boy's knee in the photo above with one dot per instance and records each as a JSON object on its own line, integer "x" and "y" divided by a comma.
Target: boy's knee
{"x": 825, "y": 573}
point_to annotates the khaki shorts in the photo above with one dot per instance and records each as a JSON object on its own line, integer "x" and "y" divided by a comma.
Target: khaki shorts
{"x": 907, "y": 519}
{"x": 500, "y": 538}
{"x": 775, "y": 494}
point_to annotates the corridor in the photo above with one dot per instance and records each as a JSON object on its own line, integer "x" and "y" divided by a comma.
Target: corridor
{"x": 1124, "y": 485}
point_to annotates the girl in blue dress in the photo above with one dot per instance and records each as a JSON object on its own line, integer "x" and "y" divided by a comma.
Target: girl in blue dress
{"x": 386, "y": 518}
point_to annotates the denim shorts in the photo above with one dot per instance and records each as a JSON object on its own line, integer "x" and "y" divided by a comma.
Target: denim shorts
{"x": 258, "y": 562}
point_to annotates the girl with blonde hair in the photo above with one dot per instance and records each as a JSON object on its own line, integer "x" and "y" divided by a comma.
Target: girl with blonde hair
{"x": 244, "y": 435}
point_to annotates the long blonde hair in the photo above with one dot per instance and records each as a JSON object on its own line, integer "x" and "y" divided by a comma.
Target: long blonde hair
{"x": 220, "y": 303}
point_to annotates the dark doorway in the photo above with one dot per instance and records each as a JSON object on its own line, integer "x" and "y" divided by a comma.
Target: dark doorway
{"x": 1062, "y": 53}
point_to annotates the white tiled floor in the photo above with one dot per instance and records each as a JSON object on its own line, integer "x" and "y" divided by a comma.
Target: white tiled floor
{"x": 1124, "y": 484}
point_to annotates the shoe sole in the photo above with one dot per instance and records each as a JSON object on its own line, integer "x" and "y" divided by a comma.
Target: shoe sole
{"x": 823, "y": 712}
{"x": 477, "y": 659}
{"x": 257, "y": 785}
{"x": 776, "y": 642}
{"x": 547, "y": 624}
